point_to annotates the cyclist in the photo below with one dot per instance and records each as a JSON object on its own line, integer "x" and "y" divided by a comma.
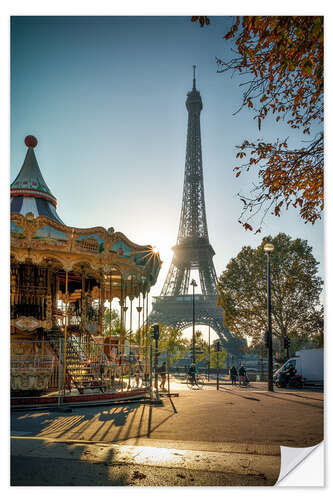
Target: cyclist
{"x": 191, "y": 372}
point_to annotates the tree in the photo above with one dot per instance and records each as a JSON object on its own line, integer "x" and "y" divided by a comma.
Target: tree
{"x": 115, "y": 322}
{"x": 282, "y": 60}
{"x": 170, "y": 340}
{"x": 217, "y": 359}
{"x": 295, "y": 286}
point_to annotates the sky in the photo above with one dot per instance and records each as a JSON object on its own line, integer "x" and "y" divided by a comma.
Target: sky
{"x": 105, "y": 97}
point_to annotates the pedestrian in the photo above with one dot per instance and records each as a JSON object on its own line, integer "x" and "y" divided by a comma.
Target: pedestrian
{"x": 233, "y": 375}
{"x": 191, "y": 372}
{"x": 137, "y": 373}
{"x": 242, "y": 375}
{"x": 163, "y": 373}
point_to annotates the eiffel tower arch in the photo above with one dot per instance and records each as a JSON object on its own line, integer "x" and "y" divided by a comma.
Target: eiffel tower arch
{"x": 193, "y": 250}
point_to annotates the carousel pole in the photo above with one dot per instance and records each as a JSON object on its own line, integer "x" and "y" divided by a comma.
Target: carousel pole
{"x": 121, "y": 303}
{"x": 83, "y": 304}
{"x": 143, "y": 320}
{"x": 110, "y": 289}
{"x": 65, "y": 332}
{"x": 139, "y": 309}
{"x": 146, "y": 343}
{"x": 125, "y": 308}
{"x": 147, "y": 329}
{"x": 131, "y": 321}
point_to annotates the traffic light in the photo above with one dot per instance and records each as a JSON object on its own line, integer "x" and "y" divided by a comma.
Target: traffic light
{"x": 286, "y": 342}
{"x": 217, "y": 346}
{"x": 155, "y": 331}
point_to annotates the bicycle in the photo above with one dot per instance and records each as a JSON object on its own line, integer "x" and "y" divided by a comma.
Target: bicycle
{"x": 195, "y": 382}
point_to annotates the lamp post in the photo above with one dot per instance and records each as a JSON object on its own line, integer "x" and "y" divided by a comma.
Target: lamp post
{"x": 208, "y": 371}
{"x": 268, "y": 249}
{"x": 155, "y": 330}
{"x": 193, "y": 283}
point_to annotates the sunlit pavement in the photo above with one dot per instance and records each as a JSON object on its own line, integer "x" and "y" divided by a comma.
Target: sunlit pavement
{"x": 178, "y": 383}
{"x": 53, "y": 463}
{"x": 237, "y": 430}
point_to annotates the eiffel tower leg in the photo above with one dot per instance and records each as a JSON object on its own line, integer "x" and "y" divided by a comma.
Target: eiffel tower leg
{"x": 208, "y": 279}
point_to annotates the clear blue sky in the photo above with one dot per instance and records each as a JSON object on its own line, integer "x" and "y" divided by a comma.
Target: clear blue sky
{"x": 105, "y": 97}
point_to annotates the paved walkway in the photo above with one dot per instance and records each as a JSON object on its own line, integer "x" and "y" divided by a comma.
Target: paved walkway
{"x": 47, "y": 462}
{"x": 235, "y": 423}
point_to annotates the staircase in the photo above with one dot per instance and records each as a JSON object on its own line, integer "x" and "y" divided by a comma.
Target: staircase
{"x": 80, "y": 371}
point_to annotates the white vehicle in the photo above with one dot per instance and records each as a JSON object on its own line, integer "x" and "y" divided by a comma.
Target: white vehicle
{"x": 309, "y": 363}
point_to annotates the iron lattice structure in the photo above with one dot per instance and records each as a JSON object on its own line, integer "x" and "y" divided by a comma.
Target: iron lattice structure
{"x": 193, "y": 250}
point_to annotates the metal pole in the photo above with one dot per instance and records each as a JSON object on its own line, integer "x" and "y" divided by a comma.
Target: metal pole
{"x": 193, "y": 333}
{"x": 218, "y": 370}
{"x": 156, "y": 370}
{"x": 131, "y": 322}
{"x": 65, "y": 333}
{"x": 139, "y": 308}
{"x": 208, "y": 352}
{"x": 168, "y": 372}
{"x": 269, "y": 313}
{"x": 110, "y": 289}
{"x": 151, "y": 371}
{"x": 59, "y": 371}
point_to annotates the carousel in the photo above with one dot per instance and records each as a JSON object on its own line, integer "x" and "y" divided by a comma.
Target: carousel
{"x": 63, "y": 280}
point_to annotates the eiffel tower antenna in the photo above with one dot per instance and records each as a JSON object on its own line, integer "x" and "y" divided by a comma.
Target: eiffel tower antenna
{"x": 193, "y": 250}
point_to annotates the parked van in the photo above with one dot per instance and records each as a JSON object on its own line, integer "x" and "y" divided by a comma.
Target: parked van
{"x": 309, "y": 363}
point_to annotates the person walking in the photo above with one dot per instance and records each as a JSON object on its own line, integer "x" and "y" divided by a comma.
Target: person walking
{"x": 242, "y": 375}
{"x": 163, "y": 373}
{"x": 233, "y": 375}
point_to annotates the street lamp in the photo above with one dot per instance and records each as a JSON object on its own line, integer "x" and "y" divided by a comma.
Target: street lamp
{"x": 268, "y": 249}
{"x": 208, "y": 371}
{"x": 193, "y": 283}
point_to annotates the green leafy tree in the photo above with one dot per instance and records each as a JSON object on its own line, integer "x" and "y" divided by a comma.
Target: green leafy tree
{"x": 295, "y": 286}
{"x": 115, "y": 322}
{"x": 201, "y": 346}
{"x": 218, "y": 359}
{"x": 280, "y": 61}
{"x": 170, "y": 340}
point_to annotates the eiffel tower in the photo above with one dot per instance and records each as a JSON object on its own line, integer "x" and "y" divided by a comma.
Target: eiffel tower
{"x": 192, "y": 250}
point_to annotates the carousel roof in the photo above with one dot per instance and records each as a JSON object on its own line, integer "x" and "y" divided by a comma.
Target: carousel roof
{"x": 29, "y": 192}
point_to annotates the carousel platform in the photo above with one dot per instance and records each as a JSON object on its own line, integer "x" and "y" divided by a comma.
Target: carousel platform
{"x": 74, "y": 398}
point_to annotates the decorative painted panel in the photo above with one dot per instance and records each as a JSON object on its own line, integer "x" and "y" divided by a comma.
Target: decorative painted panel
{"x": 90, "y": 243}
{"x": 16, "y": 231}
{"x": 48, "y": 234}
{"x": 142, "y": 258}
{"x": 121, "y": 249}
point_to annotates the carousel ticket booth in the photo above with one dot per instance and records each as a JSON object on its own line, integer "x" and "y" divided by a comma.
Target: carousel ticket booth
{"x": 63, "y": 279}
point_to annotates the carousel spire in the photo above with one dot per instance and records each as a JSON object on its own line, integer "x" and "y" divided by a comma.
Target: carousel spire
{"x": 29, "y": 192}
